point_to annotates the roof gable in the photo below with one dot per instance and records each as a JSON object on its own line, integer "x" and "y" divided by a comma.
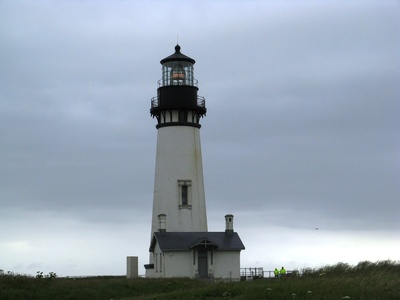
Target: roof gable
{"x": 203, "y": 242}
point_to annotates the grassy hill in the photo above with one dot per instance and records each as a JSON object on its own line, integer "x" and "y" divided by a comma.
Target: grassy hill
{"x": 366, "y": 280}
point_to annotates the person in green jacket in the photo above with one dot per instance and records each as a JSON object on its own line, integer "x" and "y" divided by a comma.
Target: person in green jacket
{"x": 282, "y": 271}
{"x": 276, "y": 272}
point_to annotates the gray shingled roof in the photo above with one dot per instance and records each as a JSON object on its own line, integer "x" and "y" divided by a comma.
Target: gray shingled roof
{"x": 175, "y": 241}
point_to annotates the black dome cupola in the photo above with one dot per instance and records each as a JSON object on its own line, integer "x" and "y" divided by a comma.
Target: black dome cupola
{"x": 177, "y": 102}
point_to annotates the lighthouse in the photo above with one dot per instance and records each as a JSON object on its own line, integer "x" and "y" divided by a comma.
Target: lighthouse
{"x": 178, "y": 184}
{"x": 180, "y": 244}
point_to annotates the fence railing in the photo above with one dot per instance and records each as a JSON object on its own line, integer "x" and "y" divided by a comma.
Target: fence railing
{"x": 259, "y": 273}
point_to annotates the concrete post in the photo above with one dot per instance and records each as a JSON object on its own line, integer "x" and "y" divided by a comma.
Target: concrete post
{"x": 132, "y": 270}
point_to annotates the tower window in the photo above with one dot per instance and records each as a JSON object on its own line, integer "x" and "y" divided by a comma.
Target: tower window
{"x": 185, "y": 193}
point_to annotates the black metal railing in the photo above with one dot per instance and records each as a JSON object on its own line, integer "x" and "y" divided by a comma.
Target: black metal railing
{"x": 201, "y": 102}
{"x": 193, "y": 82}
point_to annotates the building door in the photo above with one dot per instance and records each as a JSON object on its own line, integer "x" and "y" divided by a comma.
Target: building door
{"x": 202, "y": 263}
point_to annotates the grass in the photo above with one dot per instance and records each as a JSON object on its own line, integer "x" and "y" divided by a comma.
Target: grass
{"x": 366, "y": 280}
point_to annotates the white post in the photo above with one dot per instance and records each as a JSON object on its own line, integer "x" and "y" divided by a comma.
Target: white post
{"x": 132, "y": 267}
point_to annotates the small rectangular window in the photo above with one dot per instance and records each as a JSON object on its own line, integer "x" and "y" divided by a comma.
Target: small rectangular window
{"x": 160, "y": 263}
{"x": 184, "y": 195}
{"x": 156, "y": 262}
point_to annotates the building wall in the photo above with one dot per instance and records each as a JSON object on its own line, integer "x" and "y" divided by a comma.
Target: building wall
{"x": 226, "y": 265}
{"x": 151, "y": 273}
{"x": 171, "y": 264}
{"x": 179, "y": 264}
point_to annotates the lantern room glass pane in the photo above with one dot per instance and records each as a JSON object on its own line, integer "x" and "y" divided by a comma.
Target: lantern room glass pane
{"x": 177, "y": 73}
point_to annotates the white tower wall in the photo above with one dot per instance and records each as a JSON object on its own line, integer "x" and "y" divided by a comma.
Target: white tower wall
{"x": 179, "y": 162}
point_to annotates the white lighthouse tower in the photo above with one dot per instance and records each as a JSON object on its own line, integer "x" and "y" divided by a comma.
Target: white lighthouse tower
{"x": 181, "y": 245}
{"x": 179, "y": 183}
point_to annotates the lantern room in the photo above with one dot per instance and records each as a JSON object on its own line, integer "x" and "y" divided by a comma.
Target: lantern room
{"x": 177, "y": 69}
{"x": 177, "y": 102}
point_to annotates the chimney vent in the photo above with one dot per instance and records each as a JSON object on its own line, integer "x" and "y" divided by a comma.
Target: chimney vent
{"x": 229, "y": 224}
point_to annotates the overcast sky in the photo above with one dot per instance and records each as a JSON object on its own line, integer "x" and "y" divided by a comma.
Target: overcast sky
{"x": 301, "y": 132}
